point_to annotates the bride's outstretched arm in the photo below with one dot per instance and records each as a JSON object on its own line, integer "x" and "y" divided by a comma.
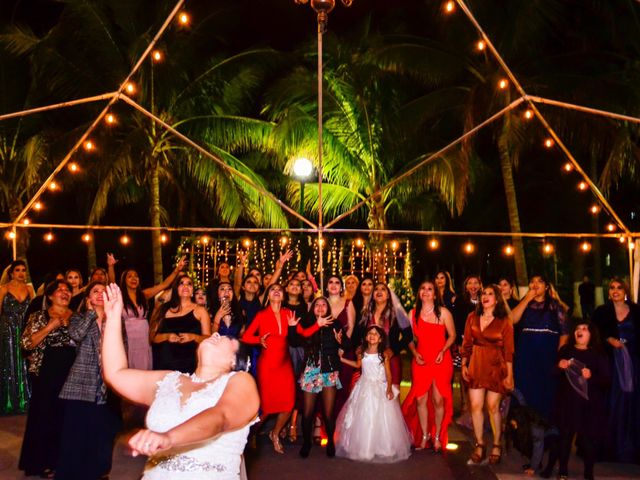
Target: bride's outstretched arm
{"x": 138, "y": 386}
{"x": 236, "y": 408}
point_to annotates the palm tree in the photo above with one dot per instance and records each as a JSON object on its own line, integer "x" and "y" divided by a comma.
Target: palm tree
{"x": 143, "y": 160}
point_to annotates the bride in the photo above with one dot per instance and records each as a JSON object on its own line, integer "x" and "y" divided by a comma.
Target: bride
{"x": 197, "y": 425}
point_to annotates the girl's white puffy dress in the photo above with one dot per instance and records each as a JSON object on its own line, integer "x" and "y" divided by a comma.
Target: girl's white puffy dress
{"x": 217, "y": 458}
{"x": 370, "y": 427}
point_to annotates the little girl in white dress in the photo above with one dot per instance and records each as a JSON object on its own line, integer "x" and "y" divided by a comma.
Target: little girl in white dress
{"x": 370, "y": 426}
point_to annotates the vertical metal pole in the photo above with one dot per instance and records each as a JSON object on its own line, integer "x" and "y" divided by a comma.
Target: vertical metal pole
{"x": 301, "y": 209}
{"x": 320, "y": 119}
{"x": 14, "y": 242}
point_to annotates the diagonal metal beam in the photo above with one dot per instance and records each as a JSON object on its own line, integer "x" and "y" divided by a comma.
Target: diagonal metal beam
{"x": 580, "y": 108}
{"x": 541, "y": 117}
{"x": 46, "y": 108}
{"x": 427, "y": 160}
{"x": 216, "y": 159}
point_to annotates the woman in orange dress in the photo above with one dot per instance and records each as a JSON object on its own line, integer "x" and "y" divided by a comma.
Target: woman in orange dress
{"x": 428, "y": 407}
{"x": 487, "y": 367}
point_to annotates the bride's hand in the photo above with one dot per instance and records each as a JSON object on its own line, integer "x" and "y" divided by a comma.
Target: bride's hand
{"x": 113, "y": 303}
{"x": 146, "y": 442}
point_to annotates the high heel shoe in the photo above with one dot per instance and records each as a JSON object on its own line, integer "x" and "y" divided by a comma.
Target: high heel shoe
{"x": 275, "y": 439}
{"x": 479, "y": 454}
{"x": 293, "y": 433}
{"x": 494, "y": 459}
{"x": 424, "y": 443}
{"x": 437, "y": 446}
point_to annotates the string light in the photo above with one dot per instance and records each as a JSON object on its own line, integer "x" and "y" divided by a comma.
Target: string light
{"x": 26, "y": 221}
{"x": 508, "y": 250}
{"x": 86, "y": 238}
{"x": 157, "y": 56}
{"x": 582, "y": 186}
{"x": 585, "y": 246}
{"x": 184, "y": 18}
{"x": 130, "y": 88}
{"x": 548, "y": 142}
{"x": 480, "y": 46}
{"x": 394, "y": 245}
{"x": 284, "y": 241}
{"x": 38, "y": 206}
{"x": 547, "y": 248}
{"x": 48, "y": 237}
{"x": 595, "y": 209}
{"x": 359, "y": 242}
{"x": 449, "y": 7}
{"x": 110, "y": 118}
{"x": 205, "y": 239}
{"x": 528, "y": 114}
{"x": 73, "y": 167}
{"x": 434, "y": 244}
{"x": 632, "y": 245}
{"x": 125, "y": 240}
{"x": 89, "y": 146}
{"x": 502, "y": 84}
{"x": 164, "y": 238}
{"x": 53, "y": 186}
{"x": 321, "y": 242}
{"x": 568, "y": 167}
{"x": 621, "y": 239}
{"x": 469, "y": 248}
{"x": 11, "y": 234}
{"x": 246, "y": 243}
{"x": 611, "y": 227}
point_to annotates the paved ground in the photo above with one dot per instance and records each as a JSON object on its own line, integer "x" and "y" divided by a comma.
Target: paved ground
{"x": 263, "y": 463}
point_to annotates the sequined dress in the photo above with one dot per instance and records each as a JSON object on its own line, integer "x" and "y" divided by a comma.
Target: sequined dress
{"x": 217, "y": 458}
{"x": 14, "y": 386}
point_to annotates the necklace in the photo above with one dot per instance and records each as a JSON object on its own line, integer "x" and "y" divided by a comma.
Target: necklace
{"x": 196, "y": 379}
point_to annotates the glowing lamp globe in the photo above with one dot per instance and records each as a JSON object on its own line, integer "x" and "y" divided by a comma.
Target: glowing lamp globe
{"x": 302, "y": 168}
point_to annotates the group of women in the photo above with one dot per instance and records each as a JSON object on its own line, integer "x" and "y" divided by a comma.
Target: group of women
{"x": 301, "y": 344}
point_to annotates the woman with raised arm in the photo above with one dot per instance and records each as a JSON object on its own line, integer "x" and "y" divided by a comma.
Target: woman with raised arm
{"x": 428, "y": 407}
{"x": 136, "y": 312}
{"x": 91, "y": 414}
{"x": 178, "y": 326}
{"x": 197, "y": 424}
{"x": 270, "y": 329}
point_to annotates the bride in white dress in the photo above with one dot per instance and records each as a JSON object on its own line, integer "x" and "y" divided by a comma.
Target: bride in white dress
{"x": 197, "y": 424}
{"x": 370, "y": 426}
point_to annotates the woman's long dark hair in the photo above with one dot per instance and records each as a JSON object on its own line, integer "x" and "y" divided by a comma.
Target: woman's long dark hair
{"x": 312, "y": 343}
{"x": 437, "y": 302}
{"x": 500, "y": 310}
{"x": 448, "y": 285}
{"x": 381, "y": 345}
{"x": 237, "y": 315}
{"x": 86, "y": 293}
{"x": 389, "y": 313}
{"x": 172, "y": 304}
{"x": 140, "y": 298}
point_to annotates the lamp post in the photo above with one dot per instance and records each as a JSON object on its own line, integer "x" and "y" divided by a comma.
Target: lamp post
{"x": 302, "y": 169}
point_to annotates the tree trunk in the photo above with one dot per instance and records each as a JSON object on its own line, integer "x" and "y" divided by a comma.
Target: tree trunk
{"x": 512, "y": 203}
{"x": 91, "y": 253}
{"x": 156, "y": 245}
{"x": 377, "y": 221}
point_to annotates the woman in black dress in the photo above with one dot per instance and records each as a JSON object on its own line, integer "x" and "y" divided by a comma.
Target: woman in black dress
{"x": 581, "y": 397}
{"x": 51, "y": 353}
{"x": 177, "y": 328}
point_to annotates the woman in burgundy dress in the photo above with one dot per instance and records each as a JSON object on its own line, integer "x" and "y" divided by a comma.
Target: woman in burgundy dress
{"x": 428, "y": 407}
{"x": 487, "y": 367}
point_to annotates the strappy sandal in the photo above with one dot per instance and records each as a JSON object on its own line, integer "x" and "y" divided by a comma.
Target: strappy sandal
{"x": 293, "y": 433}
{"x": 424, "y": 443}
{"x": 437, "y": 446}
{"x": 275, "y": 439}
{"x": 479, "y": 454}
{"x": 494, "y": 459}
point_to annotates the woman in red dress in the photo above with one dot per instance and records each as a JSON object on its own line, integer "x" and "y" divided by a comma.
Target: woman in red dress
{"x": 487, "y": 367}
{"x": 428, "y": 407}
{"x": 276, "y": 382}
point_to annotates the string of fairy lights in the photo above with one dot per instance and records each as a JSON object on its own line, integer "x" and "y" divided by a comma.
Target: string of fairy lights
{"x": 349, "y": 254}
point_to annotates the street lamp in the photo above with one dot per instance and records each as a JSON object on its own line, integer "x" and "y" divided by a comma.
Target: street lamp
{"x": 302, "y": 169}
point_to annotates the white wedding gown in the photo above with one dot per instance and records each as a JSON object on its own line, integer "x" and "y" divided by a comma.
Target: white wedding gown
{"x": 370, "y": 427}
{"x": 217, "y": 458}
